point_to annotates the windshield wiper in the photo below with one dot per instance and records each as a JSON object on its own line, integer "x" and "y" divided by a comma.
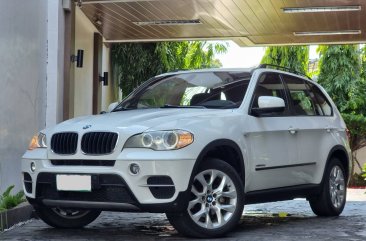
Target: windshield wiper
{"x": 234, "y": 105}
{"x": 122, "y": 109}
{"x": 182, "y": 106}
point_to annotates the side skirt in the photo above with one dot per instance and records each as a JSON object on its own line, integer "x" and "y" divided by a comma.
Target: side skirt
{"x": 282, "y": 194}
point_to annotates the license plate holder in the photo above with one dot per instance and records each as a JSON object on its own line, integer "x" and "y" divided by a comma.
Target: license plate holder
{"x": 73, "y": 182}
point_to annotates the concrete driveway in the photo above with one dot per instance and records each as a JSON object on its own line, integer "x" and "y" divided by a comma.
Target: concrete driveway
{"x": 259, "y": 222}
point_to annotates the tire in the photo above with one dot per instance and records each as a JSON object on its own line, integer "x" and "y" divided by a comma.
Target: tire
{"x": 66, "y": 218}
{"x": 332, "y": 198}
{"x": 216, "y": 204}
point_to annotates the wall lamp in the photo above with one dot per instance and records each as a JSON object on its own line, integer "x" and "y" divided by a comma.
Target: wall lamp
{"x": 79, "y": 58}
{"x": 104, "y": 78}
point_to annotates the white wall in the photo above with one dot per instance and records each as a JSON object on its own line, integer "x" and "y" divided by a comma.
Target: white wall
{"x": 84, "y": 39}
{"x": 107, "y": 91}
{"x": 23, "y": 44}
{"x": 84, "y": 32}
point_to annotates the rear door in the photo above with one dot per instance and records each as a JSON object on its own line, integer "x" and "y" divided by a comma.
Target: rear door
{"x": 312, "y": 113}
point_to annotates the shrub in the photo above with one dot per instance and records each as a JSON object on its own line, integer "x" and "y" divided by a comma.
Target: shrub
{"x": 357, "y": 180}
{"x": 7, "y": 200}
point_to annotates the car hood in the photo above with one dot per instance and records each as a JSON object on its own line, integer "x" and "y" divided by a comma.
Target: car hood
{"x": 137, "y": 120}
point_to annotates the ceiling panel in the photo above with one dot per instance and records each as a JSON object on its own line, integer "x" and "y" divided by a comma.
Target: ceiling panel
{"x": 247, "y": 22}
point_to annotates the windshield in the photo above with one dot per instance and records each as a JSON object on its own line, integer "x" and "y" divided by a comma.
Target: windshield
{"x": 191, "y": 90}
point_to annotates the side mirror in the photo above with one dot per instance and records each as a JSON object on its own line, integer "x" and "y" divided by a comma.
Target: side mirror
{"x": 112, "y": 106}
{"x": 269, "y": 104}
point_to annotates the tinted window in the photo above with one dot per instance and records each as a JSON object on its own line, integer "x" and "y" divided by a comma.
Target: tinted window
{"x": 269, "y": 84}
{"x": 302, "y": 99}
{"x": 321, "y": 102}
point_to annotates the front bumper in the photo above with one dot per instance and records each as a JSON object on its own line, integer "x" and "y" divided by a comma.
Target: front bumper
{"x": 113, "y": 187}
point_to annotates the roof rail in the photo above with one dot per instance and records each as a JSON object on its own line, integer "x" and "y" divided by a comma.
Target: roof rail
{"x": 273, "y": 66}
{"x": 178, "y": 70}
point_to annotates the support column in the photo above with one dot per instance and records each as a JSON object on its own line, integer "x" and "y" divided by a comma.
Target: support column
{"x": 55, "y": 62}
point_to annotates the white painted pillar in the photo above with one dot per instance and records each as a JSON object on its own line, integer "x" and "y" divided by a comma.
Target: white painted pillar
{"x": 55, "y": 62}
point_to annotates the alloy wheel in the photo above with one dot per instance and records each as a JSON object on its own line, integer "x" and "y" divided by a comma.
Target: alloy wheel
{"x": 69, "y": 213}
{"x": 337, "y": 187}
{"x": 214, "y": 199}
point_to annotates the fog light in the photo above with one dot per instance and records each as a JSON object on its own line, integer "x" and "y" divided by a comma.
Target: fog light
{"x": 33, "y": 166}
{"x": 134, "y": 169}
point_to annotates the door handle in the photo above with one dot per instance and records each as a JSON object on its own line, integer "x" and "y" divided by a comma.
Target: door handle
{"x": 329, "y": 128}
{"x": 292, "y": 130}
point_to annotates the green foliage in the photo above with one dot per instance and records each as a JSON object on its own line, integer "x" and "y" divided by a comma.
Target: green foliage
{"x": 8, "y": 200}
{"x": 133, "y": 63}
{"x": 357, "y": 180}
{"x": 340, "y": 75}
{"x": 363, "y": 63}
{"x": 189, "y": 55}
{"x": 364, "y": 171}
{"x": 293, "y": 57}
{"x": 356, "y": 123}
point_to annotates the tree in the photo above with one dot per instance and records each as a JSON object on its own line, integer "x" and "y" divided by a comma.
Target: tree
{"x": 134, "y": 63}
{"x": 293, "y": 57}
{"x": 341, "y": 75}
{"x": 363, "y": 63}
{"x": 189, "y": 55}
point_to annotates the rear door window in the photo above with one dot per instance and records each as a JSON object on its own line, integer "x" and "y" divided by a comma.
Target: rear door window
{"x": 302, "y": 99}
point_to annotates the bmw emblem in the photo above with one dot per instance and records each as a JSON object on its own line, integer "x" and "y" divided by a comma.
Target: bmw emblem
{"x": 86, "y": 127}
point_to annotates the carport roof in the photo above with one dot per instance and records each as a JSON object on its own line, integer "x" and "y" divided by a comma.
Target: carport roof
{"x": 247, "y": 22}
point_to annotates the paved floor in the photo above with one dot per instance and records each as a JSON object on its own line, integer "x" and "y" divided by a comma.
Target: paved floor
{"x": 259, "y": 222}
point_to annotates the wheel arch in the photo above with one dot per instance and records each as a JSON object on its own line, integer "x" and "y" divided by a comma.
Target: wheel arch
{"x": 341, "y": 153}
{"x": 225, "y": 149}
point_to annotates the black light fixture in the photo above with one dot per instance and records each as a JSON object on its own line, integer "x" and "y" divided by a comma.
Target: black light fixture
{"x": 78, "y": 58}
{"x": 104, "y": 78}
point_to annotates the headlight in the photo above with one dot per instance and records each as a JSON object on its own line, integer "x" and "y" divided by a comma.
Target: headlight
{"x": 38, "y": 141}
{"x": 160, "y": 140}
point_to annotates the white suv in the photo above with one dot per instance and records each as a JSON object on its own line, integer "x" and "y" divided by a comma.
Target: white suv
{"x": 196, "y": 145}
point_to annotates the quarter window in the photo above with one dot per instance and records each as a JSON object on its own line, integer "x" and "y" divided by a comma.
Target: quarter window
{"x": 322, "y": 104}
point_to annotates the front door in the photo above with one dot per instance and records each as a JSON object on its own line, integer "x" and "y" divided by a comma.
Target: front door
{"x": 272, "y": 139}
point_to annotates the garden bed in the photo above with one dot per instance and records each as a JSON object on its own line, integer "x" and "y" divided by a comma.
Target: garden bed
{"x": 20, "y": 213}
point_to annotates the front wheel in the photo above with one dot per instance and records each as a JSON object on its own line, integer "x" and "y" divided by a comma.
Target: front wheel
{"x": 332, "y": 199}
{"x": 216, "y": 203}
{"x": 65, "y": 217}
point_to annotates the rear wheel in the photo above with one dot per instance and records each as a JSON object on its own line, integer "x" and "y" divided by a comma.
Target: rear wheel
{"x": 65, "y": 217}
{"x": 332, "y": 199}
{"x": 216, "y": 204}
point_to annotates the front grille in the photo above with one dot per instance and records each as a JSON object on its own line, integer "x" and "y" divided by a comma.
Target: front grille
{"x": 64, "y": 143}
{"x": 98, "y": 143}
{"x": 106, "y": 163}
{"x": 105, "y": 188}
